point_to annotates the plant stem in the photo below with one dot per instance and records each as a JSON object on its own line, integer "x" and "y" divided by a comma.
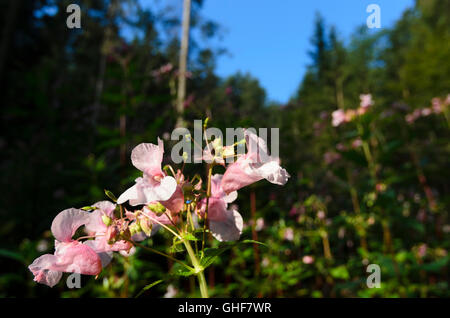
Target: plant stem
{"x": 160, "y": 253}
{"x": 199, "y": 270}
{"x": 208, "y": 194}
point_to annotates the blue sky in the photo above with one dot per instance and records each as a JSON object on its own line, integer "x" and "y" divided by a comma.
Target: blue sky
{"x": 270, "y": 38}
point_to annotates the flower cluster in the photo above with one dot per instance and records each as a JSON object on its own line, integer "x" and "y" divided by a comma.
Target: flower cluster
{"x": 160, "y": 198}
{"x": 341, "y": 116}
{"x": 437, "y": 106}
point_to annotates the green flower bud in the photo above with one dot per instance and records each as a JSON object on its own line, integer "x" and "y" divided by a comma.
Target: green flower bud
{"x": 146, "y": 226}
{"x": 135, "y": 228}
{"x": 157, "y": 207}
{"x": 106, "y": 220}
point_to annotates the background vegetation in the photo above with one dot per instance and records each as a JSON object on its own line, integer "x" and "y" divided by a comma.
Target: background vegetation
{"x": 374, "y": 190}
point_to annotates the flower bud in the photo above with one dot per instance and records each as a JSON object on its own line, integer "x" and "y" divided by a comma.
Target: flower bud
{"x": 217, "y": 144}
{"x": 157, "y": 207}
{"x": 106, "y": 220}
{"x": 135, "y": 228}
{"x": 146, "y": 226}
{"x": 228, "y": 151}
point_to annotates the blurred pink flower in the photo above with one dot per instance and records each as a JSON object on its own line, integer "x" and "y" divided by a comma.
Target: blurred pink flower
{"x": 188, "y": 101}
{"x": 259, "y": 224}
{"x": 350, "y": 114}
{"x": 422, "y": 250}
{"x": 357, "y": 143}
{"x": 341, "y": 147}
{"x": 288, "y": 234}
{"x": 426, "y": 111}
{"x": 330, "y": 157}
{"x": 366, "y": 100}
{"x": 321, "y": 215}
{"x": 308, "y": 259}
{"x": 338, "y": 117}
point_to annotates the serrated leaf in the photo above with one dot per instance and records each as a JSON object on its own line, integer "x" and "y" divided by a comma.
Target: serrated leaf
{"x": 148, "y": 287}
{"x": 179, "y": 270}
{"x": 190, "y": 237}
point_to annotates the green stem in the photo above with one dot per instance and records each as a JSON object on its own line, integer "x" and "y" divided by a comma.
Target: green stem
{"x": 199, "y": 270}
{"x": 160, "y": 253}
{"x": 208, "y": 194}
{"x": 367, "y": 153}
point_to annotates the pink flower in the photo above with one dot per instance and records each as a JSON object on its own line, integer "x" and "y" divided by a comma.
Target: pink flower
{"x": 259, "y": 224}
{"x": 330, "y": 156}
{"x": 288, "y": 234}
{"x": 422, "y": 250}
{"x": 338, "y": 117}
{"x": 350, "y": 115}
{"x": 426, "y": 111}
{"x": 225, "y": 224}
{"x": 104, "y": 241}
{"x": 255, "y": 165}
{"x": 361, "y": 110}
{"x": 164, "y": 69}
{"x": 154, "y": 185}
{"x": 321, "y": 215}
{"x": 357, "y": 143}
{"x": 366, "y": 100}
{"x": 308, "y": 259}
{"x": 70, "y": 255}
{"x": 341, "y": 147}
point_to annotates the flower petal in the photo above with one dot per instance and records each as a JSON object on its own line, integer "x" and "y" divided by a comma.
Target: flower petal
{"x": 42, "y": 272}
{"x": 272, "y": 172}
{"x": 76, "y": 257}
{"x": 148, "y": 156}
{"x": 228, "y": 230}
{"x": 105, "y": 257}
{"x": 67, "y": 222}
{"x": 238, "y": 175}
{"x": 161, "y": 192}
{"x": 95, "y": 224}
{"x": 176, "y": 202}
{"x": 133, "y": 194}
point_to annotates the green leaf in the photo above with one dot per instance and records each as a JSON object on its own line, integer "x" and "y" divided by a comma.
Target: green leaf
{"x": 110, "y": 195}
{"x": 180, "y": 270}
{"x": 211, "y": 254}
{"x": 254, "y": 242}
{"x": 190, "y": 237}
{"x": 340, "y": 272}
{"x": 10, "y": 254}
{"x": 148, "y": 287}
